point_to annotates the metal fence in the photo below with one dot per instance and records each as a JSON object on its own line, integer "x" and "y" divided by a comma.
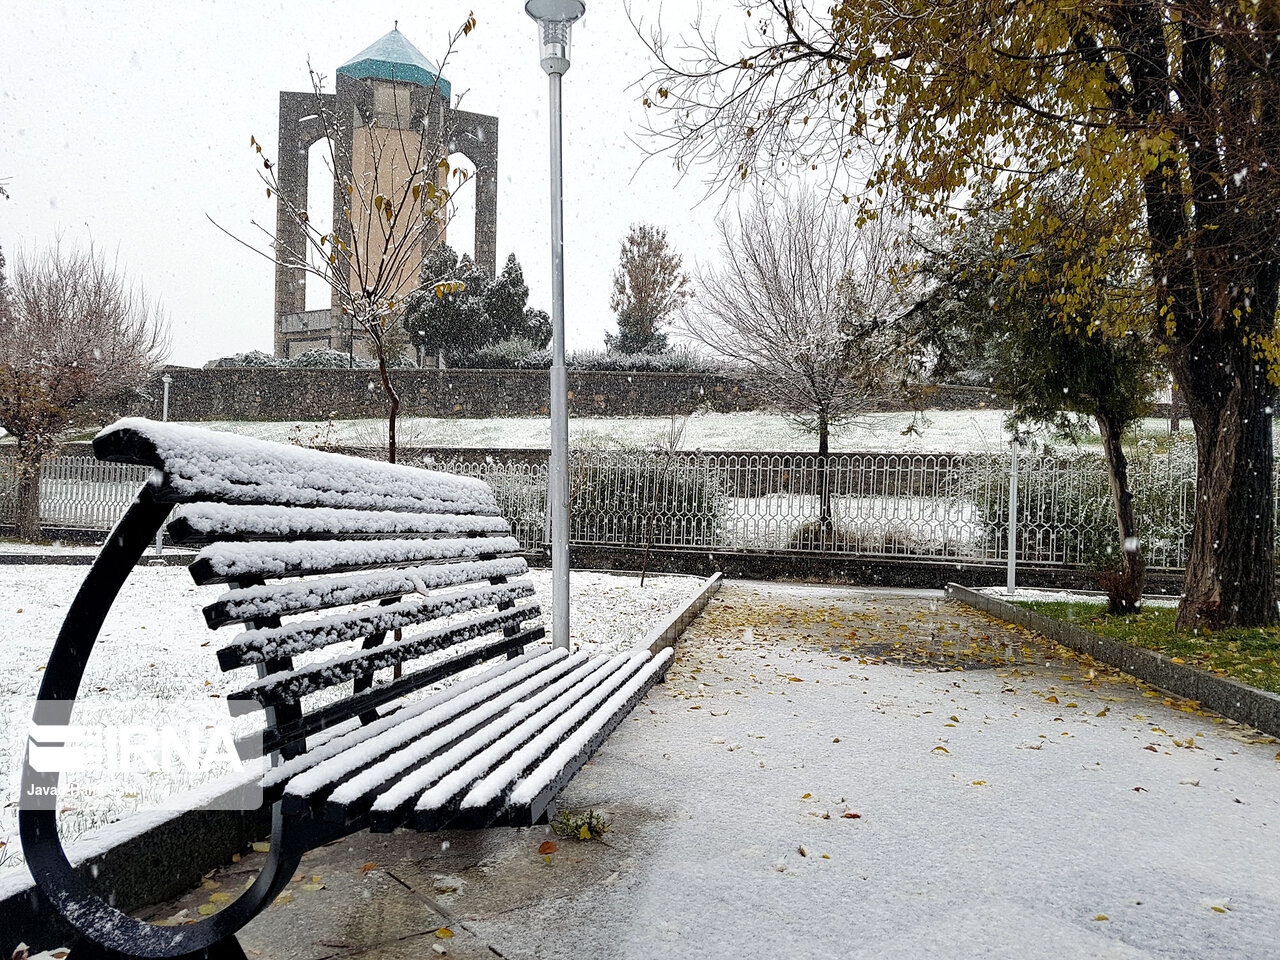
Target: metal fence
{"x": 923, "y": 506}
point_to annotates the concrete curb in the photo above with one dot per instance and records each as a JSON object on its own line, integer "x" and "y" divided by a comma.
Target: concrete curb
{"x": 1229, "y": 698}
{"x": 666, "y": 633}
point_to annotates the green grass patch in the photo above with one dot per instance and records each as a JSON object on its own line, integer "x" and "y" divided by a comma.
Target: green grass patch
{"x": 1251, "y": 655}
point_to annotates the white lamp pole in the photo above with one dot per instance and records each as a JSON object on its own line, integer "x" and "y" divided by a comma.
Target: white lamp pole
{"x": 555, "y": 20}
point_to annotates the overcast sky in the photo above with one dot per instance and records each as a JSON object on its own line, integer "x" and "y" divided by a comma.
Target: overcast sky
{"x": 128, "y": 122}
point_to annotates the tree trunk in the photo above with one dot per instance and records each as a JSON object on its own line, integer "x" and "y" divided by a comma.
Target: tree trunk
{"x": 27, "y": 505}
{"x": 1175, "y": 404}
{"x": 393, "y": 405}
{"x": 826, "y": 525}
{"x": 1230, "y": 578}
{"x": 1133, "y": 568}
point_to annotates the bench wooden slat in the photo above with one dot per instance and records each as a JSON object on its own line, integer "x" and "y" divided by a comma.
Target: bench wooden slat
{"x": 332, "y": 714}
{"x": 229, "y": 562}
{"x": 526, "y": 801}
{"x": 441, "y": 707}
{"x": 428, "y": 758}
{"x": 201, "y": 465}
{"x": 437, "y": 785}
{"x": 488, "y": 792}
{"x": 290, "y": 686}
{"x": 305, "y": 596}
{"x": 202, "y": 523}
{"x": 344, "y": 787}
{"x": 259, "y": 646}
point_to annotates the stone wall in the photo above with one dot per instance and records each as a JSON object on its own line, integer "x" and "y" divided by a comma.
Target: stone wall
{"x": 268, "y": 393}
{"x": 244, "y": 393}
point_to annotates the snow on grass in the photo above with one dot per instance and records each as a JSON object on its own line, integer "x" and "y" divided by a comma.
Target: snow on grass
{"x": 1029, "y": 595}
{"x": 941, "y": 431}
{"x": 155, "y": 647}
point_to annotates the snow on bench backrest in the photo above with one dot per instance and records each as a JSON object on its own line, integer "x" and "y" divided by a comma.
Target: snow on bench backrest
{"x": 202, "y": 464}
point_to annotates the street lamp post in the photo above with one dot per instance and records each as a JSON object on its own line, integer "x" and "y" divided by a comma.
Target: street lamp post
{"x": 555, "y": 21}
{"x": 166, "y": 380}
{"x": 164, "y": 415}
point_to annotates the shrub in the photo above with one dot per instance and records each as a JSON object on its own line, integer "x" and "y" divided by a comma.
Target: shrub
{"x": 1065, "y": 510}
{"x": 323, "y": 358}
{"x": 254, "y": 358}
{"x": 520, "y": 354}
{"x": 628, "y": 496}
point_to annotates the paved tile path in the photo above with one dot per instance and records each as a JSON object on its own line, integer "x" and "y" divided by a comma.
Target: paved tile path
{"x": 846, "y": 773}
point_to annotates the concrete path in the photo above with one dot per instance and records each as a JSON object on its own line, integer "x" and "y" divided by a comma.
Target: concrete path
{"x": 844, "y": 773}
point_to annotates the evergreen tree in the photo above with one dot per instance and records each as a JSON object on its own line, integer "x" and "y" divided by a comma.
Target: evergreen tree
{"x": 648, "y": 288}
{"x": 505, "y": 301}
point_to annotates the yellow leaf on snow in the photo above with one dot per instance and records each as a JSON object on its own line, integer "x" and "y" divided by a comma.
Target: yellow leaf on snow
{"x": 444, "y": 933}
{"x": 942, "y": 749}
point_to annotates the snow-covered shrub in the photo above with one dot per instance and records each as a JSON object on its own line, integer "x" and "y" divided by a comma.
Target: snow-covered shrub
{"x": 681, "y": 359}
{"x": 1065, "y": 509}
{"x": 504, "y": 355}
{"x": 633, "y": 496}
{"x": 253, "y": 358}
{"x": 323, "y": 358}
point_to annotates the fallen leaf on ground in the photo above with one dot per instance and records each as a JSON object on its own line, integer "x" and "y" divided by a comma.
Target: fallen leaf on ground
{"x": 547, "y": 846}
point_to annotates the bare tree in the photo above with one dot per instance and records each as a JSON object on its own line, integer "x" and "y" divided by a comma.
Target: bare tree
{"x": 73, "y": 333}
{"x": 806, "y": 301}
{"x": 397, "y": 207}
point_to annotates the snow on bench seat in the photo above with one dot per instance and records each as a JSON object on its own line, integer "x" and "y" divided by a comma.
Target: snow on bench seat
{"x": 433, "y": 711}
{"x": 225, "y": 562}
{"x": 222, "y": 467}
{"x": 304, "y": 596}
{"x": 484, "y": 751}
{"x": 206, "y": 522}
{"x": 357, "y": 781}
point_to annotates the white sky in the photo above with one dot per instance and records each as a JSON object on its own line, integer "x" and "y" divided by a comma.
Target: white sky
{"x": 127, "y": 122}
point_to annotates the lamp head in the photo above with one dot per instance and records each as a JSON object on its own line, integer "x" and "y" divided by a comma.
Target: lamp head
{"x": 555, "y": 20}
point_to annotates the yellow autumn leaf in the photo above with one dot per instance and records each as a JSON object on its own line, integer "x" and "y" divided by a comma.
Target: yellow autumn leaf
{"x": 284, "y": 898}
{"x": 942, "y": 749}
{"x": 1051, "y": 699}
{"x": 261, "y": 846}
{"x": 444, "y": 933}
{"x": 584, "y": 833}
{"x": 206, "y": 909}
{"x": 1102, "y": 916}
{"x": 219, "y": 897}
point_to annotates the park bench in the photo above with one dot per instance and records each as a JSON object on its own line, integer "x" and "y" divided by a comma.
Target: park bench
{"x": 492, "y": 734}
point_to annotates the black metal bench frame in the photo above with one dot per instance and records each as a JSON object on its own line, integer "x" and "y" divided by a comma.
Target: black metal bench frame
{"x": 106, "y": 932}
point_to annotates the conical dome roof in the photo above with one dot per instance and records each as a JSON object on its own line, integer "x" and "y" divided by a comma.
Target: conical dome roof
{"x": 395, "y": 58}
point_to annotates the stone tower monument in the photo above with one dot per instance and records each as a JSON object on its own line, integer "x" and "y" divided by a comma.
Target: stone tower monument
{"x": 392, "y": 83}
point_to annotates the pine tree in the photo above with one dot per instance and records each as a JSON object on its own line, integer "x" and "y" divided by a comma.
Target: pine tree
{"x": 648, "y": 288}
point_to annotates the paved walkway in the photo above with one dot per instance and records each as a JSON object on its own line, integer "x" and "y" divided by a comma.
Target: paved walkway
{"x": 845, "y": 773}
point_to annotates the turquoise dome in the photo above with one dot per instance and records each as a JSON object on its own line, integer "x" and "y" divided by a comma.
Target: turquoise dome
{"x": 395, "y": 58}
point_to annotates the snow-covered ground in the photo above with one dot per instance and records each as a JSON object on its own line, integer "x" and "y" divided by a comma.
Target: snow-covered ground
{"x": 940, "y": 431}
{"x": 155, "y": 649}
{"x": 1029, "y": 595}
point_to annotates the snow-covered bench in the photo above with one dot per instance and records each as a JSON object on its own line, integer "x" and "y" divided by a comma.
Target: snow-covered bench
{"x": 493, "y": 733}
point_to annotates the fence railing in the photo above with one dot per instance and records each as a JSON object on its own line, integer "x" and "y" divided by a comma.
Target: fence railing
{"x": 922, "y": 506}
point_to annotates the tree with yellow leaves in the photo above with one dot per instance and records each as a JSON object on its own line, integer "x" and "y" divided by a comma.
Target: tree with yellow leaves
{"x": 1166, "y": 112}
